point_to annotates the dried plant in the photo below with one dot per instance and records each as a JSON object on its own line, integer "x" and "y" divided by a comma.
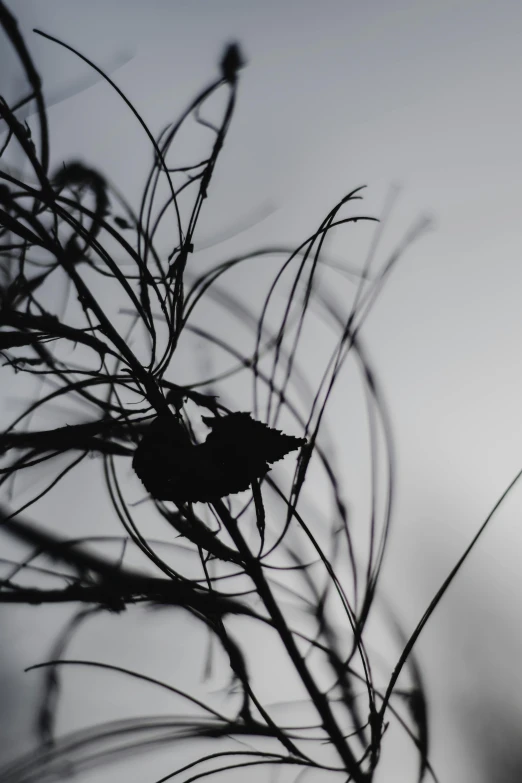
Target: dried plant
{"x": 253, "y": 543}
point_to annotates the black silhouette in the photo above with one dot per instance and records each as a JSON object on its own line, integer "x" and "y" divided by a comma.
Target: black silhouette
{"x": 238, "y": 451}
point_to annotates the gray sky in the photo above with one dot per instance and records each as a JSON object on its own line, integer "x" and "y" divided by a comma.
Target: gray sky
{"x": 339, "y": 94}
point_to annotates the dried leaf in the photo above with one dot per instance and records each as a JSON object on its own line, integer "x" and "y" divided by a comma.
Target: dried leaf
{"x": 238, "y": 451}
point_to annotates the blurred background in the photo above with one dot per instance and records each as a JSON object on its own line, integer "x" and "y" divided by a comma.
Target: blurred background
{"x": 416, "y": 99}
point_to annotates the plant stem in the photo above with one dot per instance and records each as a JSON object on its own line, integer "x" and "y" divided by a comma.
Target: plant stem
{"x": 254, "y": 569}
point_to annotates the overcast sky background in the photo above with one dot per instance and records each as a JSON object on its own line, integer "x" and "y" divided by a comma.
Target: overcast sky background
{"x": 339, "y": 94}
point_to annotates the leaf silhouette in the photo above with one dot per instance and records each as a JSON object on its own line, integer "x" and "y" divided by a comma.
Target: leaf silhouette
{"x": 237, "y": 451}
{"x": 247, "y": 438}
